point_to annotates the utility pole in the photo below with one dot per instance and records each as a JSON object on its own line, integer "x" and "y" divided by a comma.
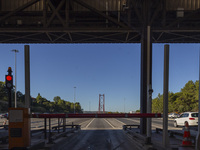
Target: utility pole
{"x": 89, "y": 105}
{"x": 124, "y": 105}
{"x": 16, "y": 51}
{"x": 74, "y": 99}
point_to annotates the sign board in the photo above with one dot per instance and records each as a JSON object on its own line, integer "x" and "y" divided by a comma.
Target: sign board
{"x": 16, "y": 116}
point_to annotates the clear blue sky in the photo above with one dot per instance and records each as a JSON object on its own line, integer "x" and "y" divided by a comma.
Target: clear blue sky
{"x": 110, "y": 69}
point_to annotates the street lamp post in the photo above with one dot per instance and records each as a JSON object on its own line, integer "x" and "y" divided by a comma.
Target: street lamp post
{"x": 16, "y": 51}
{"x": 74, "y": 98}
{"x": 124, "y": 105}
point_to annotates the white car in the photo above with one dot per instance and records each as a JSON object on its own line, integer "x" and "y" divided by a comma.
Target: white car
{"x": 173, "y": 115}
{"x": 190, "y": 117}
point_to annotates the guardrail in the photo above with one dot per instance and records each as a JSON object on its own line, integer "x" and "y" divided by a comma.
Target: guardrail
{"x": 125, "y": 127}
{"x": 61, "y": 125}
{"x": 179, "y": 133}
{"x": 141, "y": 141}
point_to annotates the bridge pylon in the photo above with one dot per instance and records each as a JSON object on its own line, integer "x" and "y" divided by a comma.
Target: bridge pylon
{"x": 101, "y": 103}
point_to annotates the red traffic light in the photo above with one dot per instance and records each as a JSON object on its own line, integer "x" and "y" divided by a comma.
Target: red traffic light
{"x": 8, "y": 78}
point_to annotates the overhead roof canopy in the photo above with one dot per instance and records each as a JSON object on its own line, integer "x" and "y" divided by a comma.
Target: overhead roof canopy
{"x": 99, "y": 21}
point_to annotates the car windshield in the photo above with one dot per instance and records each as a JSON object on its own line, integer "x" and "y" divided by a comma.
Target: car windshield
{"x": 194, "y": 115}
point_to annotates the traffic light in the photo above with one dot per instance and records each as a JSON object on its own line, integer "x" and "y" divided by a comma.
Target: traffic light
{"x": 9, "y": 79}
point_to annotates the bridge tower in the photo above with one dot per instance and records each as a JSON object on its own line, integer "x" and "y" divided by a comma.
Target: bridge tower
{"x": 101, "y": 103}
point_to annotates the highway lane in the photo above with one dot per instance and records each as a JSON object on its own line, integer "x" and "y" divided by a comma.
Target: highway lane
{"x": 107, "y": 133}
{"x": 156, "y": 122}
{"x": 102, "y": 123}
{"x": 98, "y": 134}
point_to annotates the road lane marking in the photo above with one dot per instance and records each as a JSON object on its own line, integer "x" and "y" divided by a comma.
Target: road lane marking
{"x": 89, "y": 123}
{"x": 120, "y": 121}
{"x": 101, "y": 129}
{"x": 109, "y": 124}
{"x": 132, "y": 120}
{"x": 84, "y": 122}
{"x": 154, "y": 125}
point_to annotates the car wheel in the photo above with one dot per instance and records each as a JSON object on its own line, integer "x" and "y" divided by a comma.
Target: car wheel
{"x": 175, "y": 124}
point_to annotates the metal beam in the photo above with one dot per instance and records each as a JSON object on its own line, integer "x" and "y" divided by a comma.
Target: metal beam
{"x": 55, "y": 12}
{"x": 20, "y": 37}
{"x": 100, "y": 37}
{"x": 18, "y": 9}
{"x": 137, "y": 11}
{"x": 71, "y": 30}
{"x": 100, "y": 13}
{"x": 156, "y": 12}
{"x": 179, "y": 20}
{"x": 67, "y": 12}
{"x": 70, "y": 37}
{"x": 49, "y": 36}
{"x": 45, "y": 13}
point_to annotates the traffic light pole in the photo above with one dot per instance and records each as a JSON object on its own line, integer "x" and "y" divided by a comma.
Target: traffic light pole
{"x": 9, "y": 99}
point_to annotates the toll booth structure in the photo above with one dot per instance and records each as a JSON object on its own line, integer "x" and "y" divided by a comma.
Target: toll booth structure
{"x": 19, "y": 128}
{"x": 105, "y": 21}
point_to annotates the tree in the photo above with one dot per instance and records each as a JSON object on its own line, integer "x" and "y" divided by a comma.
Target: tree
{"x": 78, "y": 107}
{"x": 72, "y": 107}
{"x": 41, "y": 104}
{"x": 3, "y": 92}
{"x": 39, "y": 99}
{"x": 56, "y": 99}
{"x": 137, "y": 111}
{"x": 185, "y": 100}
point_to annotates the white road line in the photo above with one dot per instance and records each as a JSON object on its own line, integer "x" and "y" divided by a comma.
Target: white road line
{"x": 133, "y": 120}
{"x": 154, "y": 125}
{"x": 120, "y": 121}
{"x": 84, "y": 122}
{"x": 89, "y": 123}
{"x": 102, "y": 129}
{"x": 109, "y": 124}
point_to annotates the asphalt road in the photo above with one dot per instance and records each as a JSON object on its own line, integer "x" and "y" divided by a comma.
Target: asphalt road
{"x": 100, "y": 133}
{"x": 106, "y": 133}
{"x": 98, "y": 123}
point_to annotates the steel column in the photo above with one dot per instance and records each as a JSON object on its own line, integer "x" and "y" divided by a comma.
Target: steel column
{"x": 165, "y": 97}
{"x": 144, "y": 49}
{"x": 143, "y": 82}
{"x": 27, "y": 76}
{"x": 149, "y": 81}
{"x": 197, "y": 146}
{"x": 27, "y": 88}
